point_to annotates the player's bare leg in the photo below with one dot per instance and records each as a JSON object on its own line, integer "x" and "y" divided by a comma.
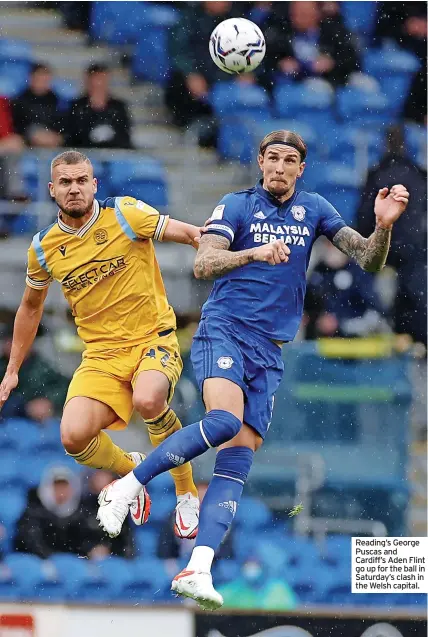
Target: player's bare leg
{"x": 83, "y": 438}
{"x": 150, "y": 400}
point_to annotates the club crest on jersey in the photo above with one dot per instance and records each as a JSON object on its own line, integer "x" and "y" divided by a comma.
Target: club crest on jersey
{"x": 298, "y": 212}
{"x": 225, "y": 362}
{"x": 100, "y": 236}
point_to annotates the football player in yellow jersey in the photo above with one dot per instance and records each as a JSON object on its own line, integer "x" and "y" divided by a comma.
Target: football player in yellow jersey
{"x": 102, "y": 255}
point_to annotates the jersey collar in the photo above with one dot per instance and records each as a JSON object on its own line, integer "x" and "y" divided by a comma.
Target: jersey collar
{"x": 273, "y": 200}
{"x": 79, "y": 232}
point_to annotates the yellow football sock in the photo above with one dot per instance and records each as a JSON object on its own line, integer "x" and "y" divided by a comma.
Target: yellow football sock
{"x": 102, "y": 453}
{"x": 160, "y": 428}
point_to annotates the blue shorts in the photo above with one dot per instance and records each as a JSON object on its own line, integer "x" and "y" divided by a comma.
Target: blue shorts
{"x": 225, "y": 349}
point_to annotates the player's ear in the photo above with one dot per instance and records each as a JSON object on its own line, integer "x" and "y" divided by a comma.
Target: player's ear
{"x": 95, "y": 184}
{"x": 260, "y": 161}
{"x": 301, "y": 169}
{"x": 51, "y": 189}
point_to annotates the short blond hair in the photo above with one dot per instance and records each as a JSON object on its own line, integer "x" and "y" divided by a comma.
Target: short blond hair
{"x": 284, "y": 136}
{"x": 70, "y": 157}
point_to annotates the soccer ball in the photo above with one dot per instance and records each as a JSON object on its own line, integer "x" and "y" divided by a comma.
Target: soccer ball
{"x": 237, "y": 46}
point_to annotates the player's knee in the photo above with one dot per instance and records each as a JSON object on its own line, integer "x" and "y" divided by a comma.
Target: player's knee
{"x": 149, "y": 405}
{"x": 73, "y": 439}
{"x": 219, "y": 426}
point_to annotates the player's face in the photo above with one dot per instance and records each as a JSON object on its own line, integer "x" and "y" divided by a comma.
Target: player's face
{"x": 73, "y": 187}
{"x": 281, "y": 167}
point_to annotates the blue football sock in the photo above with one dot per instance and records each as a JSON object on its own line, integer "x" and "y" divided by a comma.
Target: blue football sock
{"x": 222, "y": 497}
{"x": 216, "y": 427}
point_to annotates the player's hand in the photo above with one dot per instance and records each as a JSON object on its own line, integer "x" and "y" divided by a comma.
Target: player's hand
{"x": 390, "y": 205}
{"x": 8, "y": 384}
{"x": 272, "y": 253}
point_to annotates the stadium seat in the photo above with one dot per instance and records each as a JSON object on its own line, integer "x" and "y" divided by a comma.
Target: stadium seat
{"x": 310, "y": 102}
{"x": 253, "y": 514}
{"x": 149, "y": 580}
{"x": 236, "y": 139}
{"x": 15, "y": 57}
{"x": 150, "y": 61}
{"x": 162, "y": 507}
{"x": 336, "y": 551}
{"x": 146, "y": 540}
{"x": 24, "y": 432}
{"x": 394, "y": 69}
{"x": 144, "y": 179}
{"x": 416, "y": 143}
{"x": 237, "y": 98}
{"x": 11, "y": 84}
{"x": 71, "y": 570}
{"x": 26, "y": 571}
{"x": 356, "y": 147}
{"x": 341, "y": 185}
{"x": 224, "y": 571}
{"x": 359, "y": 17}
{"x": 11, "y": 474}
{"x": 368, "y": 108}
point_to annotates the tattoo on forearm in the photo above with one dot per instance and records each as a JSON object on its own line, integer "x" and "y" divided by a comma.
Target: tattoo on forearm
{"x": 369, "y": 253}
{"x": 214, "y": 259}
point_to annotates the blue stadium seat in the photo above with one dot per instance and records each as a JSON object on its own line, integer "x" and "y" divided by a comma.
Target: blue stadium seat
{"x": 236, "y": 139}
{"x": 26, "y": 571}
{"x": 253, "y": 514}
{"x": 66, "y": 90}
{"x": 341, "y": 186}
{"x": 71, "y": 570}
{"x": 394, "y": 69}
{"x": 359, "y": 17}
{"x": 50, "y": 438}
{"x": 35, "y": 467}
{"x": 416, "y": 143}
{"x": 368, "y": 108}
{"x": 338, "y": 591}
{"x": 162, "y": 507}
{"x": 336, "y": 551}
{"x": 29, "y": 170}
{"x": 117, "y": 571}
{"x": 310, "y": 102}
{"x": 11, "y": 84}
{"x": 143, "y": 179}
{"x": 102, "y": 174}
{"x": 15, "y": 57}
{"x": 11, "y": 470}
{"x": 150, "y": 61}
{"x": 224, "y": 571}
{"x": 24, "y": 432}
{"x": 237, "y": 98}
{"x": 149, "y": 580}
{"x": 93, "y": 584}
{"x": 146, "y": 540}
{"x": 349, "y": 143}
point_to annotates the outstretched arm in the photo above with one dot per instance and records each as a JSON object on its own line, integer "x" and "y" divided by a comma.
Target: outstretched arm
{"x": 214, "y": 259}
{"x": 371, "y": 253}
{"x": 180, "y": 232}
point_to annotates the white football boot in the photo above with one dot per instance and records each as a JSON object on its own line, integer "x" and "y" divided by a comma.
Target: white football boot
{"x": 115, "y": 501}
{"x": 197, "y": 586}
{"x": 186, "y": 516}
{"x": 140, "y": 507}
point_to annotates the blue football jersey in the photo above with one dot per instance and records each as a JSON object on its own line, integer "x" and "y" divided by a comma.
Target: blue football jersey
{"x": 268, "y": 299}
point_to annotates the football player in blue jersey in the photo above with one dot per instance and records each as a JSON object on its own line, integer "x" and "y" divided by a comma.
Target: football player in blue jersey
{"x": 257, "y": 246}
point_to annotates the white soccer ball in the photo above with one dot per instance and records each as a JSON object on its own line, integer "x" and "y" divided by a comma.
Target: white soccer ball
{"x": 237, "y": 46}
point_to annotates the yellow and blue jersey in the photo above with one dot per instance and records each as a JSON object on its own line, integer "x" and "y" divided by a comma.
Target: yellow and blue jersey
{"x": 108, "y": 272}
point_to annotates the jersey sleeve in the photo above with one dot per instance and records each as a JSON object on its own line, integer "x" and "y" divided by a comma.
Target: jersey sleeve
{"x": 330, "y": 221}
{"x": 37, "y": 277}
{"x": 139, "y": 220}
{"x": 226, "y": 217}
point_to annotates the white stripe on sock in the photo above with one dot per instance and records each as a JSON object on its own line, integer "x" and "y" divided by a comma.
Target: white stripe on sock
{"x": 219, "y": 475}
{"x": 203, "y": 434}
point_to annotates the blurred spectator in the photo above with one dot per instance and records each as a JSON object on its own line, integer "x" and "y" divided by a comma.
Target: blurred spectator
{"x": 305, "y": 40}
{"x": 11, "y": 145}
{"x": 123, "y": 544}
{"x": 341, "y": 299}
{"x": 170, "y": 547}
{"x": 256, "y": 588}
{"x": 35, "y": 111}
{"x": 193, "y": 71}
{"x": 97, "y": 119}
{"x": 52, "y": 521}
{"x": 41, "y": 389}
{"x": 406, "y": 24}
{"x": 408, "y": 253}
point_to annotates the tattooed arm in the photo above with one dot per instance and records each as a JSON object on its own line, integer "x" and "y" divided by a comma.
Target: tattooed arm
{"x": 214, "y": 258}
{"x": 371, "y": 253}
